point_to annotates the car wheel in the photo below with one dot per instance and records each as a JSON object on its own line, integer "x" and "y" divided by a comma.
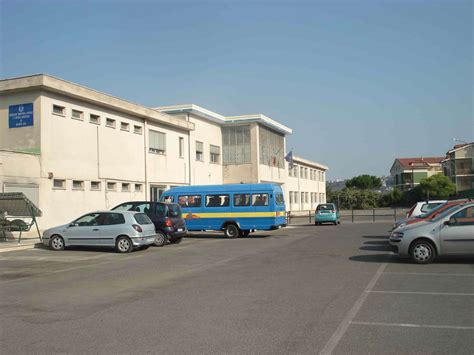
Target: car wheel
{"x": 56, "y": 243}
{"x": 231, "y": 231}
{"x": 160, "y": 239}
{"x": 422, "y": 252}
{"x": 244, "y": 233}
{"x": 176, "y": 240}
{"x": 124, "y": 245}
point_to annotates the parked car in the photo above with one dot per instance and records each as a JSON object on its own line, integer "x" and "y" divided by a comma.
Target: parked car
{"x": 122, "y": 230}
{"x": 167, "y": 217}
{"x": 422, "y": 207}
{"x": 450, "y": 233}
{"x": 430, "y": 214}
{"x": 327, "y": 213}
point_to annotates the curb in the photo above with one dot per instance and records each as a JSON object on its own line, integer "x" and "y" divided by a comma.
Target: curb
{"x": 21, "y": 247}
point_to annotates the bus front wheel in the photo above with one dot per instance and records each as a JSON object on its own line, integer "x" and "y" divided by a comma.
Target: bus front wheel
{"x": 231, "y": 231}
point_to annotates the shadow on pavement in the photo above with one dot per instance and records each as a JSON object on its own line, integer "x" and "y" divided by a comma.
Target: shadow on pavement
{"x": 221, "y": 236}
{"x": 376, "y": 236}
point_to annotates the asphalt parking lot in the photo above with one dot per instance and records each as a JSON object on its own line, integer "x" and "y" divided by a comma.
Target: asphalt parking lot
{"x": 329, "y": 289}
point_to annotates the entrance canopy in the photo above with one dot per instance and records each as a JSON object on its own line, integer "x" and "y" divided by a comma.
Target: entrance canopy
{"x": 16, "y": 204}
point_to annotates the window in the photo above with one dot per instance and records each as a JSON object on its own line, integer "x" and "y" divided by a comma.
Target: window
{"x": 95, "y": 185}
{"x": 199, "y": 151}
{"x": 59, "y": 184}
{"x": 181, "y": 147}
{"x": 125, "y": 187}
{"x": 95, "y": 119}
{"x": 77, "y": 185}
{"x": 296, "y": 196}
{"x": 112, "y": 218}
{"x": 462, "y": 218}
{"x": 142, "y": 219}
{"x": 157, "y": 142}
{"x": 137, "y": 129}
{"x": 302, "y": 197}
{"x": 91, "y": 219}
{"x": 169, "y": 199}
{"x": 322, "y": 176}
{"x": 188, "y": 200}
{"x": 77, "y": 115}
{"x": 259, "y": 199}
{"x": 217, "y": 200}
{"x": 110, "y": 122}
{"x": 306, "y": 197}
{"x": 301, "y": 172}
{"x": 291, "y": 197}
{"x": 279, "y": 199}
{"x": 241, "y": 200}
{"x": 59, "y": 110}
{"x": 236, "y": 145}
{"x": 138, "y": 187}
{"x": 215, "y": 154}
{"x": 111, "y": 186}
{"x": 271, "y": 147}
{"x": 124, "y": 126}
{"x": 124, "y": 207}
{"x": 145, "y": 207}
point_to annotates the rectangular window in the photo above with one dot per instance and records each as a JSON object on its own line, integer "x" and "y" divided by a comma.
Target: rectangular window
{"x": 271, "y": 146}
{"x": 199, "y": 151}
{"x": 59, "y": 110}
{"x": 111, "y": 186}
{"x": 302, "y": 197}
{"x": 138, "y": 187}
{"x": 124, "y": 126}
{"x": 181, "y": 147}
{"x": 236, "y": 145}
{"x": 215, "y": 154}
{"x": 110, "y": 122}
{"x": 95, "y": 119}
{"x": 137, "y": 129}
{"x": 113, "y": 218}
{"x": 189, "y": 200}
{"x": 125, "y": 187}
{"x": 217, "y": 200}
{"x": 77, "y": 185}
{"x": 259, "y": 199}
{"x": 241, "y": 200}
{"x": 279, "y": 199}
{"x": 157, "y": 142}
{"x": 95, "y": 185}
{"x": 291, "y": 197}
{"x": 59, "y": 184}
{"x": 301, "y": 172}
{"x": 306, "y": 197}
{"x": 77, "y": 115}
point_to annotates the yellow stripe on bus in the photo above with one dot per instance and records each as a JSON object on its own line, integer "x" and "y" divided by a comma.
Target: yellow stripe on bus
{"x": 233, "y": 214}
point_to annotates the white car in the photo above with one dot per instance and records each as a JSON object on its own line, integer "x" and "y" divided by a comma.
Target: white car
{"x": 422, "y": 207}
{"x": 123, "y": 230}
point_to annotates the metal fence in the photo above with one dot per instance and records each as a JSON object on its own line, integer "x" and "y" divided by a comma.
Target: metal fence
{"x": 369, "y": 215}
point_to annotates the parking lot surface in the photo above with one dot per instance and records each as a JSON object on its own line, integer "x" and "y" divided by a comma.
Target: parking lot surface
{"x": 328, "y": 289}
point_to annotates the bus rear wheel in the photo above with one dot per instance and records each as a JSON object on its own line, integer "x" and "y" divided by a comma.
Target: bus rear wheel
{"x": 231, "y": 231}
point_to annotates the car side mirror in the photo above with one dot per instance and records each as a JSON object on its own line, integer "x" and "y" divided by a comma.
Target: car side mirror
{"x": 447, "y": 223}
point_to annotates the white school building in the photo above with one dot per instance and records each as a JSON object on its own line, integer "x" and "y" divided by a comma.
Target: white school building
{"x": 73, "y": 150}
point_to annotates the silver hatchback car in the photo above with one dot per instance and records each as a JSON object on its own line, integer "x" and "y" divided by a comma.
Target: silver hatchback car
{"x": 123, "y": 230}
{"x": 450, "y": 233}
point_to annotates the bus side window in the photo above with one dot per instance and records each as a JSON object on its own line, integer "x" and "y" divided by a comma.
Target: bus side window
{"x": 260, "y": 200}
{"x": 168, "y": 199}
{"x": 241, "y": 200}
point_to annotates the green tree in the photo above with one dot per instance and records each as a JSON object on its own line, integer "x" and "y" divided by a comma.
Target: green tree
{"x": 364, "y": 182}
{"x": 391, "y": 199}
{"x": 436, "y": 186}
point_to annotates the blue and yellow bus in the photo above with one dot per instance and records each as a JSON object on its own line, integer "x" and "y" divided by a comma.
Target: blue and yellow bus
{"x": 236, "y": 209}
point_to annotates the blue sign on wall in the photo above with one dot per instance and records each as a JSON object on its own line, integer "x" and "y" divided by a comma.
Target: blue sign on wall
{"x": 20, "y": 115}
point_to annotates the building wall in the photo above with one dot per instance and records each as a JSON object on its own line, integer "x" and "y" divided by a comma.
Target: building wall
{"x": 313, "y": 189}
{"x": 21, "y": 139}
{"x": 204, "y": 172}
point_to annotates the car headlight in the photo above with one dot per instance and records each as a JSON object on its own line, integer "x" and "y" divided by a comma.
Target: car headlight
{"x": 396, "y": 235}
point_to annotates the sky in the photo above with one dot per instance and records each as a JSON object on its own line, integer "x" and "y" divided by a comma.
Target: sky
{"x": 360, "y": 82}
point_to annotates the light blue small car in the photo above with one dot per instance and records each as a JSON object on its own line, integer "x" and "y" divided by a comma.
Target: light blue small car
{"x": 327, "y": 213}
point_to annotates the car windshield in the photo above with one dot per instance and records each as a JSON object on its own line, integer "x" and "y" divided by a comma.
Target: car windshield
{"x": 432, "y": 211}
{"x": 445, "y": 213}
{"x": 325, "y": 207}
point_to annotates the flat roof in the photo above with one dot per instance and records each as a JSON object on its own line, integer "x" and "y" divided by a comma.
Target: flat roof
{"x": 225, "y": 120}
{"x": 297, "y": 159}
{"x": 70, "y": 89}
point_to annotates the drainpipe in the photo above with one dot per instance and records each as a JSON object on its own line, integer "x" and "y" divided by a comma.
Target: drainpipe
{"x": 145, "y": 158}
{"x": 189, "y": 151}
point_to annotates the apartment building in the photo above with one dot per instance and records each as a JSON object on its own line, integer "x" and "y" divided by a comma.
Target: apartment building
{"x": 459, "y": 167}
{"x": 408, "y": 172}
{"x": 72, "y": 149}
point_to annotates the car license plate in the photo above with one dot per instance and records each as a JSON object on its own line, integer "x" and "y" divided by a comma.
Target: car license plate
{"x": 179, "y": 229}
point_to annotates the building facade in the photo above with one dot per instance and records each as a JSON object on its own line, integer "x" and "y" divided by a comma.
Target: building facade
{"x": 459, "y": 166}
{"x": 72, "y": 149}
{"x": 408, "y": 172}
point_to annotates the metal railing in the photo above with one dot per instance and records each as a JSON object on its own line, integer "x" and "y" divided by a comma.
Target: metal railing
{"x": 374, "y": 215}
